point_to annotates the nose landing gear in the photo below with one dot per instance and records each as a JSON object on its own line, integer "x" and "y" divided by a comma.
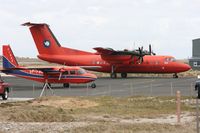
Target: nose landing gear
{"x": 93, "y": 85}
{"x": 175, "y": 75}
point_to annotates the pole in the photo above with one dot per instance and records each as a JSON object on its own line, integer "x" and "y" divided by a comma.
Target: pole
{"x": 171, "y": 89}
{"x": 87, "y": 90}
{"x": 178, "y": 106}
{"x": 191, "y": 93}
{"x": 197, "y": 114}
{"x": 109, "y": 93}
{"x": 11, "y": 92}
{"x": 131, "y": 89}
{"x": 151, "y": 90}
{"x": 33, "y": 90}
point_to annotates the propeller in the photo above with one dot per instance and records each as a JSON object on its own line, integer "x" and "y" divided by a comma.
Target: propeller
{"x": 141, "y": 54}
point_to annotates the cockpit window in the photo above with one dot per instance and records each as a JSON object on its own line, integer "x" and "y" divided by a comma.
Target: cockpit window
{"x": 81, "y": 71}
{"x": 171, "y": 59}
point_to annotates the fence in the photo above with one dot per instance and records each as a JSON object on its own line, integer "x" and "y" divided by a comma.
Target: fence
{"x": 113, "y": 87}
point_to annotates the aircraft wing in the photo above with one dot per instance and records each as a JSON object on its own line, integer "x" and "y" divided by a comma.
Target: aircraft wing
{"x": 104, "y": 51}
{"x": 90, "y": 67}
{"x": 46, "y": 69}
{"x": 110, "y": 51}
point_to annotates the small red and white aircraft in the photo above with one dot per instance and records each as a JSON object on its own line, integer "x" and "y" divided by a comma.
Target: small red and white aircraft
{"x": 105, "y": 59}
{"x": 47, "y": 74}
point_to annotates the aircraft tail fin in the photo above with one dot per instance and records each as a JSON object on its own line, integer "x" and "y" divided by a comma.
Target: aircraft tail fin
{"x": 46, "y": 42}
{"x": 44, "y": 39}
{"x": 9, "y": 60}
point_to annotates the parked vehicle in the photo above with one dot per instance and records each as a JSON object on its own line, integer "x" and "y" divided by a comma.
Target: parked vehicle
{"x": 4, "y": 89}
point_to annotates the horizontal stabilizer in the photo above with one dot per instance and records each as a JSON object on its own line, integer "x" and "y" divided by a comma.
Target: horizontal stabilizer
{"x": 29, "y": 24}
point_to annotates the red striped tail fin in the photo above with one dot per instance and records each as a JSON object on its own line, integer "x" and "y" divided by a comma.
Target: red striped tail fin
{"x": 9, "y": 60}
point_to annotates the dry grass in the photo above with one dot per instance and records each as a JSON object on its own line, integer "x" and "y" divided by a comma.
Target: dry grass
{"x": 49, "y": 109}
{"x": 135, "y": 128}
{"x": 133, "y": 106}
{"x": 64, "y": 102}
{"x": 107, "y": 114}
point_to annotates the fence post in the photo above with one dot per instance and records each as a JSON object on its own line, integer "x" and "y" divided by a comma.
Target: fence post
{"x": 87, "y": 90}
{"x": 178, "y": 106}
{"x": 191, "y": 90}
{"x": 171, "y": 89}
{"x": 151, "y": 89}
{"x": 197, "y": 114}
{"x": 11, "y": 92}
{"x": 33, "y": 90}
{"x": 109, "y": 90}
{"x": 131, "y": 89}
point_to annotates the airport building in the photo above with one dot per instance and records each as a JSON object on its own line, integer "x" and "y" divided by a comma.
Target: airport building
{"x": 195, "y": 60}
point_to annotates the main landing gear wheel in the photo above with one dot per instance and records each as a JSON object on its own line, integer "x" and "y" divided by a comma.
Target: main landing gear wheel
{"x": 66, "y": 85}
{"x": 93, "y": 85}
{"x": 113, "y": 75}
{"x": 5, "y": 94}
{"x": 175, "y": 75}
{"x": 124, "y": 75}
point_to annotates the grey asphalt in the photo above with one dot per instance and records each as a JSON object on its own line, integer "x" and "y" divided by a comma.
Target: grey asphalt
{"x": 132, "y": 86}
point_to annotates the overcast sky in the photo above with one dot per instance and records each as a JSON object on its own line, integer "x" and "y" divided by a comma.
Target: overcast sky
{"x": 169, "y": 25}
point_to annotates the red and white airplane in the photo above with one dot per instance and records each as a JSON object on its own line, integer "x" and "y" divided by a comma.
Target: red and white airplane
{"x": 47, "y": 74}
{"x": 105, "y": 59}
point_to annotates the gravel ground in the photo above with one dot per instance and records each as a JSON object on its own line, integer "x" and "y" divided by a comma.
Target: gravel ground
{"x": 39, "y": 127}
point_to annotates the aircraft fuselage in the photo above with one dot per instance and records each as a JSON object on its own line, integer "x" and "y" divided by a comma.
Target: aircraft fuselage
{"x": 150, "y": 64}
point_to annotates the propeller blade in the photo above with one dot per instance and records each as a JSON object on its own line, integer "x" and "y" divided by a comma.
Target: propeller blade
{"x": 150, "y": 50}
{"x": 140, "y": 51}
{"x": 141, "y": 59}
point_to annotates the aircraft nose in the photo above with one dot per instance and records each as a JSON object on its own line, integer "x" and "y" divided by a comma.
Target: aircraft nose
{"x": 94, "y": 77}
{"x": 186, "y": 67}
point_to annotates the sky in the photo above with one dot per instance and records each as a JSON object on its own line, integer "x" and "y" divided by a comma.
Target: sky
{"x": 168, "y": 25}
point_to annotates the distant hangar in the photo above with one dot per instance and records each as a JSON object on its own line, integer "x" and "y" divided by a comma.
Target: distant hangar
{"x": 195, "y": 60}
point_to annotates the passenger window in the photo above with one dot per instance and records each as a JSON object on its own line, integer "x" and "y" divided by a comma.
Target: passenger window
{"x": 156, "y": 63}
{"x": 166, "y": 59}
{"x": 65, "y": 73}
{"x": 72, "y": 72}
